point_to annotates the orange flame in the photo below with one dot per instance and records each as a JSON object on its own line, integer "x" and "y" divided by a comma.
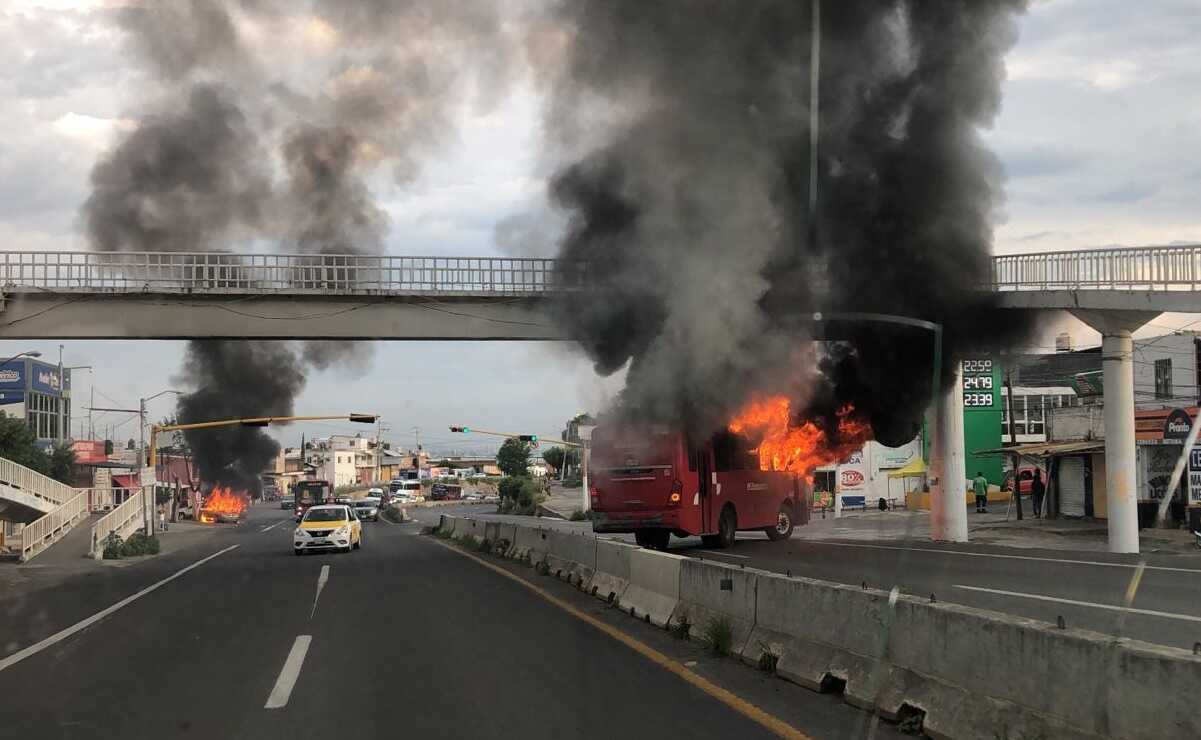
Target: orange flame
{"x": 223, "y": 500}
{"x": 797, "y": 449}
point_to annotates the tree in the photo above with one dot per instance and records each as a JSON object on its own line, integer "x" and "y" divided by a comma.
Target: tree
{"x": 554, "y": 457}
{"x": 62, "y": 463}
{"x": 513, "y": 458}
{"x": 18, "y": 444}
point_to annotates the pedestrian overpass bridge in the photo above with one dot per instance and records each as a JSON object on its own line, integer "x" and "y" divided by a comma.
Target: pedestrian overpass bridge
{"x": 181, "y": 295}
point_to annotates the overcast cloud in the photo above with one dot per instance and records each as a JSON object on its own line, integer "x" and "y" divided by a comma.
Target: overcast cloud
{"x": 1099, "y": 134}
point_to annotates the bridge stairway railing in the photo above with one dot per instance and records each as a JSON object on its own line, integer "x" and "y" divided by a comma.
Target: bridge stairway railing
{"x": 1125, "y": 268}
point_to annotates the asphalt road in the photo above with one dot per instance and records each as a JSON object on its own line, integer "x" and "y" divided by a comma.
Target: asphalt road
{"x": 403, "y": 638}
{"x": 1087, "y": 589}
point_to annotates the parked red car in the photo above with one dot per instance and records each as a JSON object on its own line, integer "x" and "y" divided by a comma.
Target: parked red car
{"x": 1025, "y": 480}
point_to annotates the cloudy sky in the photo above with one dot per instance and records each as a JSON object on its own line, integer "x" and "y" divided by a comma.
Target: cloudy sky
{"x": 1099, "y": 131}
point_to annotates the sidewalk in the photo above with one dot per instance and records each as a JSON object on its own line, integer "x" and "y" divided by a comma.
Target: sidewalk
{"x": 990, "y": 529}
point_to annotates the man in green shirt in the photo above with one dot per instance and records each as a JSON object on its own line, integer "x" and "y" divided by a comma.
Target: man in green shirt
{"x": 980, "y": 486}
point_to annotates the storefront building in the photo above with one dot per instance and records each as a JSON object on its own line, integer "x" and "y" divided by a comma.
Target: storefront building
{"x": 33, "y": 390}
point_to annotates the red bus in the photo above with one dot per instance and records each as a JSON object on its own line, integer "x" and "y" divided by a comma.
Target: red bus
{"x": 654, "y": 483}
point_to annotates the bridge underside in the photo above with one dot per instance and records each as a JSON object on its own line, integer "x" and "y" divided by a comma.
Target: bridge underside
{"x": 1157, "y": 301}
{"x": 124, "y": 316}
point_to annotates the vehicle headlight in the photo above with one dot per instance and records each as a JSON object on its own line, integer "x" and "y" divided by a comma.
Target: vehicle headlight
{"x": 344, "y": 529}
{"x": 298, "y": 533}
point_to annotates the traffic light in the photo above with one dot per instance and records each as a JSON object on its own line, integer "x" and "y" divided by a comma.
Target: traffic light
{"x": 363, "y": 418}
{"x": 255, "y": 422}
{"x": 463, "y": 430}
{"x": 528, "y": 437}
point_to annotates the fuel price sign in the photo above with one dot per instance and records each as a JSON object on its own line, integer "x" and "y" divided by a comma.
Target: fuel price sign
{"x": 981, "y": 385}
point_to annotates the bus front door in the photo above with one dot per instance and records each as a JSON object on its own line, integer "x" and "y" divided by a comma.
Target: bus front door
{"x": 704, "y": 474}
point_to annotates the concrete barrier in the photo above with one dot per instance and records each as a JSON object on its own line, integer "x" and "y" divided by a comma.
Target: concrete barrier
{"x": 501, "y": 535}
{"x": 571, "y": 557}
{"x": 974, "y": 673}
{"x": 612, "y": 575}
{"x": 529, "y": 544}
{"x": 654, "y": 590}
{"x": 470, "y": 527}
{"x": 446, "y": 524}
{"x": 716, "y": 591}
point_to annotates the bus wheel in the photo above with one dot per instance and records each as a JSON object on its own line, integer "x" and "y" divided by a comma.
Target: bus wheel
{"x": 643, "y": 538}
{"x": 652, "y": 539}
{"x": 784, "y": 524}
{"x": 727, "y": 524}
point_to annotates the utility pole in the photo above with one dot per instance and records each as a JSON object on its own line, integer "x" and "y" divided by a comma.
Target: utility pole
{"x": 60, "y": 435}
{"x": 417, "y": 438}
{"x": 1017, "y": 483}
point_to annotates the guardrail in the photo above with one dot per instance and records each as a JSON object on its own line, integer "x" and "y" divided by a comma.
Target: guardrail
{"x": 124, "y": 520}
{"x": 34, "y": 483}
{"x": 293, "y": 274}
{"x": 1126, "y": 268}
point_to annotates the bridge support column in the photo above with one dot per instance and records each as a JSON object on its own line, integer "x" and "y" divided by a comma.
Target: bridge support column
{"x": 948, "y": 508}
{"x": 1117, "y": 364}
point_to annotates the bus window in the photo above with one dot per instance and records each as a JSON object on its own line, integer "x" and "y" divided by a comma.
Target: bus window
{"x": 732, "y": 452}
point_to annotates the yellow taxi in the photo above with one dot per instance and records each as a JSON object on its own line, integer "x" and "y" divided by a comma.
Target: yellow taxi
{"x": 328, "y": 527}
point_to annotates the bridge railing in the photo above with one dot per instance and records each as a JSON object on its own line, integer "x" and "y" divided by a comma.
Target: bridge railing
{"x": 34, "y": 483}
{"x": 209, "y": 273}
{"x": 1125, "y": 268}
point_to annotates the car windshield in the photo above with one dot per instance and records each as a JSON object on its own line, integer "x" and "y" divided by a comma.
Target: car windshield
{"x": 325, "y": 515}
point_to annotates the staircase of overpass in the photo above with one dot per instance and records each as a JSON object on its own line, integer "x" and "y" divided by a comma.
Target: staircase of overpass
{"x": 168, "y": 295}
{"x": 37, "y": 511}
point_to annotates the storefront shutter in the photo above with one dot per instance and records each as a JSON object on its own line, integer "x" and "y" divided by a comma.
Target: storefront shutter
{"x": 1071, "y": 486}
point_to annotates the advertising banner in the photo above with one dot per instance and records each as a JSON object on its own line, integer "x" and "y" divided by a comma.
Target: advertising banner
{"x": 852, "y": 480}
{"x": 1194, "y": 476}
{"x": 12, "y": 376}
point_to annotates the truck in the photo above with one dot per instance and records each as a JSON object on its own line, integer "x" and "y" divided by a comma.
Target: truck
{"x": 656, "y": 482}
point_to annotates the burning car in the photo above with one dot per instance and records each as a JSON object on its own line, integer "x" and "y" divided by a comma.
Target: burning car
{"x": 223, "y": 505}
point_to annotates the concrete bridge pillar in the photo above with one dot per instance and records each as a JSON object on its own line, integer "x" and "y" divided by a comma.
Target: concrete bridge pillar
{"x": 948, "y": 510}
{"x": 1117, "y": 363}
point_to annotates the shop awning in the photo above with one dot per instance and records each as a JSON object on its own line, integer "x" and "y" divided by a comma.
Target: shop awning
{"x": 125, "y": 481}
{"x": 1046, "y": 449}
{"x": 912, "y": 470}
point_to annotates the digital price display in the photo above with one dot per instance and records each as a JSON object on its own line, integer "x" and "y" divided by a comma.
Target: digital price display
{"x": 980, "y": 385}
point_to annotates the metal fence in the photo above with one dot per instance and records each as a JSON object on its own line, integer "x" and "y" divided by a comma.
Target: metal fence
{"x": 291, "y": 274}
{"x": 1126, "y": 268}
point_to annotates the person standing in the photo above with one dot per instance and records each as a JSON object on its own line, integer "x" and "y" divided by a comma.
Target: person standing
{"x": 980, "y": 486}
{"x": 1037, "y": 490}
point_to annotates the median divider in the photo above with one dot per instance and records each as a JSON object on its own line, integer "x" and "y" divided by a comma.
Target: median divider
{"x": 571, "y": 556}
{"x": 612, "y": 576}
{"x": 963, "y": 672}
{"x": 654, "y": 590}
{"x": 712, "y": 593}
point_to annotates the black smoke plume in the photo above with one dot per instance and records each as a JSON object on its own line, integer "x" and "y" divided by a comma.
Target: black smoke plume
{"x": 237, "y": 143}
{"x": 692, "y": 212}
{"x": 236, "y": 380}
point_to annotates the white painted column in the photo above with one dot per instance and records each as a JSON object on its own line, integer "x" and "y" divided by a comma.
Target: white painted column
{"x": 1120, "y": 482}
{"x": 948, "y": 510}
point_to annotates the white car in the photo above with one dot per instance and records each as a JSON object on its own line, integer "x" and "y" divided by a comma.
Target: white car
{"x": 328, "y": 527}
{"x": 375, "y": 493}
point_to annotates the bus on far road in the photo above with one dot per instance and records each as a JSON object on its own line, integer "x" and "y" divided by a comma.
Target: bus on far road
{"x": 308, "y": 493}
{"x": 652, "y": 482}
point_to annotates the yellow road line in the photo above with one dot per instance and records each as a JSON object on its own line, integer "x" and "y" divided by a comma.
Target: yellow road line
{"x": 738, "y": 704}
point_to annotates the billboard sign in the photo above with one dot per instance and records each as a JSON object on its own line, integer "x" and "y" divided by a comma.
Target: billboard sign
{"x": 1194, "y": 476}
{"x": 45, "y": 379}
{"x": 1177, "y": 424}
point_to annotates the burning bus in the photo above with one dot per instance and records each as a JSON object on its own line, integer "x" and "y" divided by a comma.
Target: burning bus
{"x": 756, "y": 474}
{"x": 308, "y": 493}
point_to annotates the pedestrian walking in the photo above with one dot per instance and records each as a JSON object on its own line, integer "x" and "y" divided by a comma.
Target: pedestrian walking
{"x": 980, "y": 486}
{"x": 162, "y": 518}
{"x": 1037, "y": 490}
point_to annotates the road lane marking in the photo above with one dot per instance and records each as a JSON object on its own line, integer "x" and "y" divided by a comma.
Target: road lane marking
{"x": 61, "y": 635}
{"x": 282, "y": 690}
{"x": 321, "y": 580}
{"x": 752, "y": 712}
{"x": 1094, "y": 605}
{"x": 725, "y": 554}
{"x": 1099, "y": 563}
{"x": 273, "y": 526}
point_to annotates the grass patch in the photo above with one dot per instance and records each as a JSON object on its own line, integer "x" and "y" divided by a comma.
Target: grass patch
{"x": 485, "y": 545}
{"x": 719, "y": 635}
{"x": 138, "y": 544}
{"x": 112, "y": 546}
{"x": 469, "y": 542}
{"x": 768, "y": 661}
{"x": 579, "y": 516}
